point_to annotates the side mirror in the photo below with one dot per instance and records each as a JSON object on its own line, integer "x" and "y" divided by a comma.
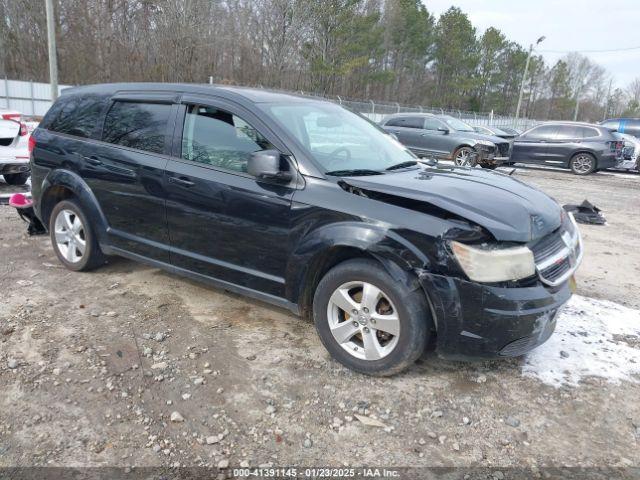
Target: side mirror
{"x": 445, "y": 130}
{"x": 268, "y": 165}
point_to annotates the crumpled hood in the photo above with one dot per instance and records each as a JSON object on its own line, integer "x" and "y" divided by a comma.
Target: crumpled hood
{"x": 508, "y": 208}
{"x": 480, "y": 136}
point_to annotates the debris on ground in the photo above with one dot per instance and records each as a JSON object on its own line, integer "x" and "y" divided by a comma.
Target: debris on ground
{"x": 586, "y": 213}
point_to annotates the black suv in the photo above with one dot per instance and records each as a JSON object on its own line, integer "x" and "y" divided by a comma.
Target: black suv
{"x": 303, "y": 204}
{"x": 582, "y": 147}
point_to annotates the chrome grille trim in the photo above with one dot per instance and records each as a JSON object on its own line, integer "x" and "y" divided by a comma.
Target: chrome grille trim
{"x": 558, "y": 258}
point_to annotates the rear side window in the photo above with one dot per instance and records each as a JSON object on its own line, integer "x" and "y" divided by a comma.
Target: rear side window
{"x": 566, "y": 132}
{"x": 407, "y": 122}
{"x": 542, "y": 132}
{"x": 137, "y": 125}
{"x": 586, "y": 132}
{"x": 77, "y": 115}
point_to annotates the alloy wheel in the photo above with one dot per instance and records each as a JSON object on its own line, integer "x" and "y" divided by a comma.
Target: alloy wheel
{"x": 70, "y": 236}
{"x": 463, "y": 158}
{"x": 583, "y": 164}
{"x": 363, "y": 320}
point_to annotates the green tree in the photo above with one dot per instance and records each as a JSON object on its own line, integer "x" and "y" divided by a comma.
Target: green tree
{"x": 456, "y": 58}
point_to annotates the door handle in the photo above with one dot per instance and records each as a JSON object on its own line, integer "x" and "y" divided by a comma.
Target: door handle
{"x": 184, "y": 181}
{"x": 93, "y": 160}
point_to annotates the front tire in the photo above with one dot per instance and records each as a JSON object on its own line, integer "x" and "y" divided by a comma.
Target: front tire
{"x": 368, "y": 321}
{"x": 464, "y": 157}
{"x": 16, "y": 178}
{"x": 73, "y": 237}
{"x": 583, "y": 164}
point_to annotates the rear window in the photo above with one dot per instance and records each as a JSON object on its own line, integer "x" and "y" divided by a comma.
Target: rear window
{"x": 77, "y": 115}
{"x": 407, "y": 122}
{"x": 137, "y": 125}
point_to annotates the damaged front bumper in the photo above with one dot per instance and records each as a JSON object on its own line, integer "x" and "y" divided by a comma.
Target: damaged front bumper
{"x": 476, "y": 321}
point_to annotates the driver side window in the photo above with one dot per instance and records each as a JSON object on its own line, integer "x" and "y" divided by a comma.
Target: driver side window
{"x": 216, "y": 137}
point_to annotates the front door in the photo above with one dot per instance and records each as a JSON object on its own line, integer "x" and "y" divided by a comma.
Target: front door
{"x": 223, "y": 223}
{"x": 532, "y": 146}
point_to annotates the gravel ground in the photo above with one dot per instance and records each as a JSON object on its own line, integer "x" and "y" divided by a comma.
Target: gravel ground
{"x": 130, "y": 366}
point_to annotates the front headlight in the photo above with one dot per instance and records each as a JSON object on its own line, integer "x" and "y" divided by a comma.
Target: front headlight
{"x": 492, "y": 264}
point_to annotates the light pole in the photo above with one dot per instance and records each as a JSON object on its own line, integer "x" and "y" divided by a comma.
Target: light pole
{"x": 524, "y": 75}
{"x": 53, "y": 61}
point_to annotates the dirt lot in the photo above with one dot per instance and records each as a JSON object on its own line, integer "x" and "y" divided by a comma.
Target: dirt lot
{"x": 93, "y": 365}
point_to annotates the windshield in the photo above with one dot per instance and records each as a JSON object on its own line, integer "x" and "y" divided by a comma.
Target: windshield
{"x": 338, "y": 139}
{"x": 457, "y": 124}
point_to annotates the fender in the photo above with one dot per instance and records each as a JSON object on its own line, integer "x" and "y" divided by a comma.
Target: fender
{"x": 398, "y": 256}
{"x": 82, "y": 193}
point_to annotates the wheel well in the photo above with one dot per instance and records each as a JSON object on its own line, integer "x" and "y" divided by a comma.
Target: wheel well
{"x": 584, "y": 151}
{"x": 52, "y": 196}
{"x": 317, "y": 269}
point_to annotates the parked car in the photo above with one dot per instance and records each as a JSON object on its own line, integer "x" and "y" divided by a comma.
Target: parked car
{"x": 494, "y": 131}
{"x": 14, "y": 150}
{"x": 630, "y": 157}
{"x": 630, "y": 126}
{"x": 582, "y": 147}
{"x": 446, "y": 137}
{"x": 305, "y": 205}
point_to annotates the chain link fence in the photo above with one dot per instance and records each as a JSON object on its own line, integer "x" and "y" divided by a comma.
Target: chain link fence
{"x": 376, "y": 111}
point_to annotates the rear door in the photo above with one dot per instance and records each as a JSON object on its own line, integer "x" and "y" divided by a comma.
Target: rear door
{"x": 563, "y": 144}
{"x": 532, "y": 146}
{"x": 223, "y": 223}
{"x": 409, "y": 131}
{"x": 125, "y": 171}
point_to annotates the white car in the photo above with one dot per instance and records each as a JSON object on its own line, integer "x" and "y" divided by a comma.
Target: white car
{"x": 630, "y": 159}
{"x": 14, "y": 147}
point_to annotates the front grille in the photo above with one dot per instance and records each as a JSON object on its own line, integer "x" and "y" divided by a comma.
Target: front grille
{"x": 558, "y": 255}
{"x": 503, "y": 148}
{"x": 548, "y": 246}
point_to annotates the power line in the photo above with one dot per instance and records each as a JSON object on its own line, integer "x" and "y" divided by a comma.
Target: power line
{"x": 591, "y": 51}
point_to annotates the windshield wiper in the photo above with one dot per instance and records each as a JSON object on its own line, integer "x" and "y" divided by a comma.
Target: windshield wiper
{"x": 356, "y": 172}
{"x": 409, "y": 163}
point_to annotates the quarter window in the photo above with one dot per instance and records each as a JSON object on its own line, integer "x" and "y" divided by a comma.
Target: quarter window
{"x": 78, "y": 115}
{"x": 216, "y": 137}
{"x": 137, "y": 125}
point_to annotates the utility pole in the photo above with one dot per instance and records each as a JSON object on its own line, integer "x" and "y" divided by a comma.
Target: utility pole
{"x": 524, "y": 76}
{"x": 606, "y": 109}
{"x": 575, "y": 111}
{"x": 51, "y": 38}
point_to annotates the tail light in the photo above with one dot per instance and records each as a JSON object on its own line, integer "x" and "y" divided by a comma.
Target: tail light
{"x": 32, "y": 144}
{"x": 23, "y": 129}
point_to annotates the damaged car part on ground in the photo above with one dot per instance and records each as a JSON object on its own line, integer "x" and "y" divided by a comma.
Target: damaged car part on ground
{"x": 301, "y": 203}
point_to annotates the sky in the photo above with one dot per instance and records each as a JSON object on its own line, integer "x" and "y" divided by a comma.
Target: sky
{"x": 569, "y": 25}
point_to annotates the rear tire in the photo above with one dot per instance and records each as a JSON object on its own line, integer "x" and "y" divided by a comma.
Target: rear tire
{"x": 385, "y": 330}
{"x": 16, "y": 178}
{"x": 73, "y": 237}
{"x": 583, "y": 164}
